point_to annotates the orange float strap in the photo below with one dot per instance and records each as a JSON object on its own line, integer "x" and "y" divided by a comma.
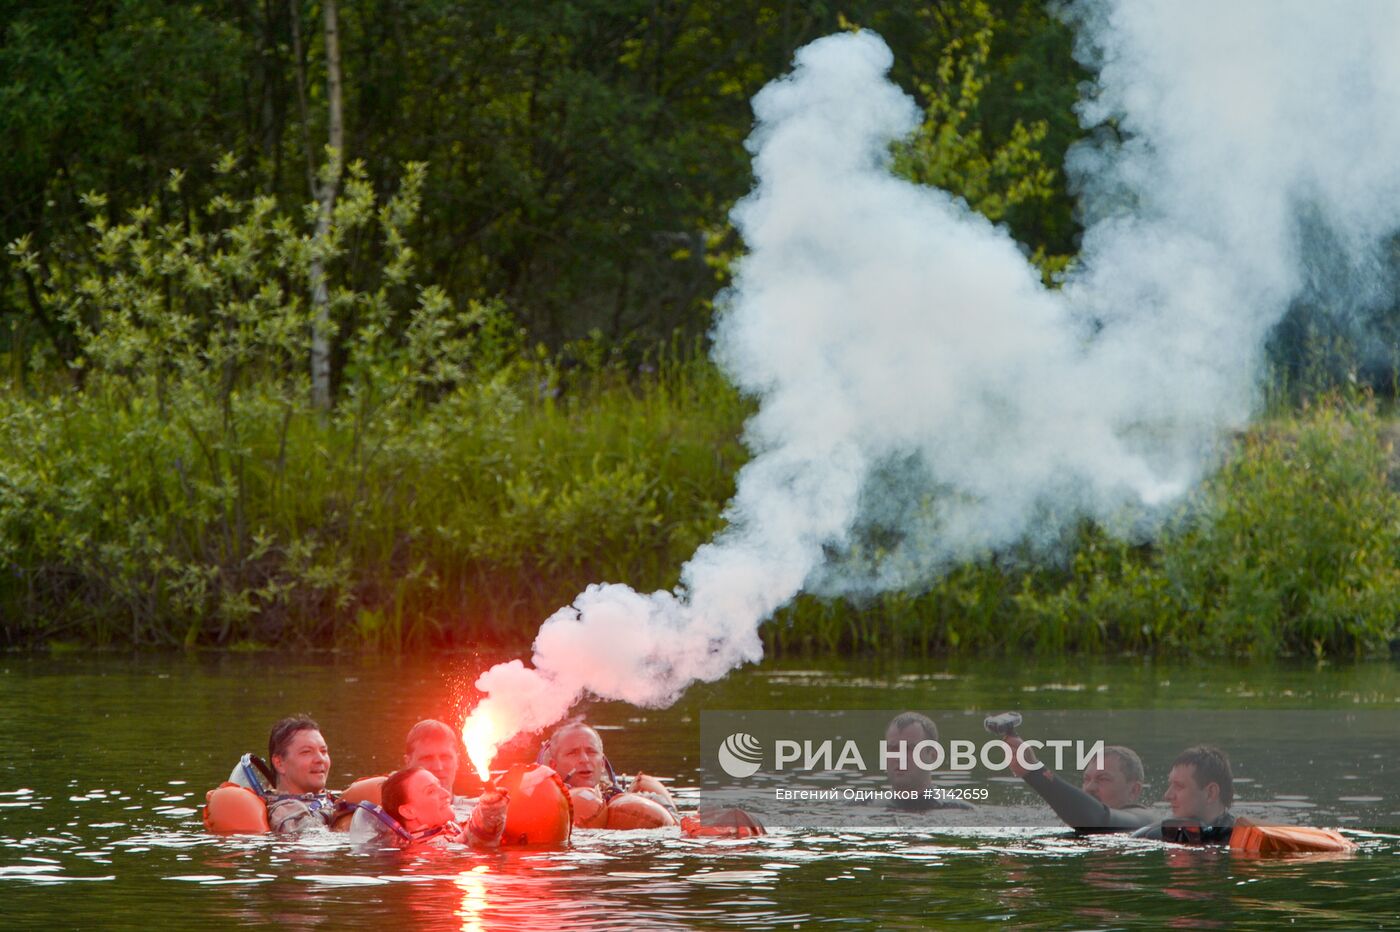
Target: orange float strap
{"x": 1249, "y": 838}
{"x": 231, "y": 809}
{"x": 540, "y": 811}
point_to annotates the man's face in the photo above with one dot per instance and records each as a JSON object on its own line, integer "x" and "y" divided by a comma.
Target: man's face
{"x": 427, "y": 803}
{"x": 438, "y": 756}
{"x": 906, "y": 774}
{"x": 1109, "y": 786}
{"x": 1188, "y": 799}
{"x": 305, "y": 765}
{"x": 577, "y": 756}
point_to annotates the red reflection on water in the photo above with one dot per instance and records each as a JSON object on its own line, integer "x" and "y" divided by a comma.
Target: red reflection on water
{"x": 472, "y": 883}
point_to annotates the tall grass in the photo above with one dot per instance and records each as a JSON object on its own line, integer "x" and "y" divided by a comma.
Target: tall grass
{"x": 469, "y": 518}
{"x": 458, "y": 520}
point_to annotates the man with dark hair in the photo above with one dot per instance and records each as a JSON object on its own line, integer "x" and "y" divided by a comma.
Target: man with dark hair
{"x": 301, "y": 763}
{"x": 1200, "y": 789}
{"x": 419, "y": 809}
{"x": 902, "y": 771}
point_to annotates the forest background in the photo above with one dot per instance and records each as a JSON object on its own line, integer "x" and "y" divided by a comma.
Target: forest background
{"x": 384, "y": 324}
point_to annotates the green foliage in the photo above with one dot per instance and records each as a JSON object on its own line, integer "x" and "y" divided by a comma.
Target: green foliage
{"x": 951, "y": 151}
{"x": 585, "y": 154}
{"x": 457, "y": 516}
{"x": 163, "y": 480}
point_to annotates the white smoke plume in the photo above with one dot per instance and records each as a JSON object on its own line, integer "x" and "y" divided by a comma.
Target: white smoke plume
{"x": 917, "y": 379}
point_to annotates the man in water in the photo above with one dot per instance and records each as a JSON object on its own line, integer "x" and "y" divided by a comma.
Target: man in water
{"x": 903, "y": 772}
{"x": 1107, "y": 799}
{"x": 435, "y": 746}
{"x": 301, "y": 763}
{"x": 1200, "y": 790}
{"x": 575, "y": 752}
{"x": 420, "y": 808}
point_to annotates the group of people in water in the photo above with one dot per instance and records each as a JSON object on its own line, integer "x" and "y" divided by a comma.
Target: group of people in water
{"x": 416, "y": 803}
{"x": 1200, "y": 785}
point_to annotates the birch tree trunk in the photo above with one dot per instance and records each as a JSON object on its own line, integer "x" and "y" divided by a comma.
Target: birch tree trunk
{"x": 324, "y": 191}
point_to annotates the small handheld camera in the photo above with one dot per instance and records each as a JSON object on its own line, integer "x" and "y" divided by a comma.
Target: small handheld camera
{"x": 1003, "y": 724}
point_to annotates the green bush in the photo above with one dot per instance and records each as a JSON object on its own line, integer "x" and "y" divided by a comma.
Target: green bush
{"x": 181, "y": 489}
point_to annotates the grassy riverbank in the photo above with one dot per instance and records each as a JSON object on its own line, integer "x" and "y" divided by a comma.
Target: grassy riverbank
{"x": 461, "y": 519}
{"x": 468, "y": 518}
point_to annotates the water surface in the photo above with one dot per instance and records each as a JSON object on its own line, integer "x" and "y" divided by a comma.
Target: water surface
{"x": 104, "y": 760}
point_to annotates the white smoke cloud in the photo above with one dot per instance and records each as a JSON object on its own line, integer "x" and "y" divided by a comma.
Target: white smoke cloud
{"x": 915, "y": 376}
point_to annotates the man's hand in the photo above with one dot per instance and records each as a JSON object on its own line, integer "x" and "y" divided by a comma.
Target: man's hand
{"x": 1028, "y": 754}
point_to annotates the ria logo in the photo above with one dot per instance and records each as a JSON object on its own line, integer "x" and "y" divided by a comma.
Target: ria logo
{"x": 740, "y": 755}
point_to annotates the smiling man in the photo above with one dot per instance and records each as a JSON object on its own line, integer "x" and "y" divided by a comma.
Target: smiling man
{"x": 302, "y": 763}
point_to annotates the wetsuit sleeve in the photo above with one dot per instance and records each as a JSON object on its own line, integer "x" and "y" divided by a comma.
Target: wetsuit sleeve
{"x": 1079, "y": 810}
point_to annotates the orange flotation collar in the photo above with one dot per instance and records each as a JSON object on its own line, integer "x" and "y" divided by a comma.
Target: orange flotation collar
{"x": 1249, "y": 838}
{"x": 230, "y": 809}
{"x": 540, "y": 811}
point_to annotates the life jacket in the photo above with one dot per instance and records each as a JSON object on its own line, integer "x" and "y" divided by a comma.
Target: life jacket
{"x": 540, "y": 811}
{"x": 1249, "y": 838}
{"x": 727, "y": 823}
{"x": 363, "y": 790}
{"x": 233, "y": 809}
{"x": 238, "y": 806}
{"x": 1194, "y": 832}
{"x": 634, "y": 810}
{"x": 253, "y": 773}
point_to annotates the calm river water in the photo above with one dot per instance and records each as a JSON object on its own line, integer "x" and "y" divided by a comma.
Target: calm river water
{"x": 104, "y": 760}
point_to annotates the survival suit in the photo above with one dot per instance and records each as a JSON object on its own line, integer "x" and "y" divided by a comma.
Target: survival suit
{"x": 229, "y": 807}
{"x": 1191, "y": 831}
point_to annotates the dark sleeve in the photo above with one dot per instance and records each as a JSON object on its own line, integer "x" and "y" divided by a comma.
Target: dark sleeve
{"x": 1079, "y": 810}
